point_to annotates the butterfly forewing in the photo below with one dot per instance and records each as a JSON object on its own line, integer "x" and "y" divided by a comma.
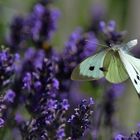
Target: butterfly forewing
{"x": 115, "y": 72}
{"x": 128, "y": 46}
{"x": 132, "y": 66}
{"x": 91, "y": 68}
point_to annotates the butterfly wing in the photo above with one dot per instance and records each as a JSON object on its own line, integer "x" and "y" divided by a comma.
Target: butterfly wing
{"x": 129, "y": 45}
{"x": 90, "y": 68}
{"x": 116, "y": 72}
{"x": 132, "y": 66}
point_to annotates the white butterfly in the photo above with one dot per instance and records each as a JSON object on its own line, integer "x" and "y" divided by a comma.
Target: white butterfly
{"x": 114, "y": 63}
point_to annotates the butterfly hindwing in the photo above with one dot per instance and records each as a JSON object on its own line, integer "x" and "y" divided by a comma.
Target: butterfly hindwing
{"x": 116, "y": 72}
{"x": 132, "y": 66}
{"x": 91, "y": 68}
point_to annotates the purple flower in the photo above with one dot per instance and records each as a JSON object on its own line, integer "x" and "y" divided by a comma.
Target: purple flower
{"x": 27, "y": 81}
{"x": 79, "y": 46}
{"x": 79, "y": 121}
{"x": 36, "y": 87}
{"x": 119, "y": 137}
{"x": 33, "y": 59}
{"x": 60, "y": 134}
{"x": 132, "y": 136}
{"x": 9, "y": 96}
{"x": 19, "y": 118}
{"x": 7, "y": 66}
{"x": 41, "y": 23}
{"x": 38, "y": 27}
{"x": 65, "y": 105}
{"x": 52, "y": 104}
{"x": 1, "y": 122}
{"x": 6, "y": 104}
{"x": 111, "y": 36}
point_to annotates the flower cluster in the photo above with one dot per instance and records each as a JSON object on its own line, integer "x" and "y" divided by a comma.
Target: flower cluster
{"x": 7, "y": 66}
{"x": 37, "y": 27}
{"x": 79, "y": 121}
{"x": 5, "y": 103}
{"x": 111, "y": 36}
{"x": 35, "y": 83}
{"x": 133, "y": 136}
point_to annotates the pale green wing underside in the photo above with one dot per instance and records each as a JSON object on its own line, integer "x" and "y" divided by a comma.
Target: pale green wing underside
{"x": 116, "y": 72}
{"x": 83, "y": 72}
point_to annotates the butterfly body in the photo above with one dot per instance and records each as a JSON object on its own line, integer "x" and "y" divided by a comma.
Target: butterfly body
{"x": 114, "y": 63}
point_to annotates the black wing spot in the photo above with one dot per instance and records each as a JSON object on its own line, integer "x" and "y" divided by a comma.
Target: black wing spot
{"x": 138, "y": 77}
{"x": 102, "y": 69}
{"x": 91, "y": 68}
{"x": 135, "y": 81}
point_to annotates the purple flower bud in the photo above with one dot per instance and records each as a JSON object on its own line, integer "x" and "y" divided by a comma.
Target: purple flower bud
{"x": 1, "y": 122}
{"x": 27, "y": 80}
{"x": 60, "y": 134}
{"x": 111, "y": 36}
{"x": 39, "y": 10}
{"x": 56, "y": 83}
{"x": 9, "y": 96}
{"x": 119, "y": 137}
{"x": 19, "y": 118}
{"x": 79, "y": 121}
{"x": 111, "y": 25}
{"x": 52, "y": 104}
{"x": 37, "y": 85}
{"x": 65, "y": 104}
{"x": 91, "y": 101}
{"x": 102, "y": 25}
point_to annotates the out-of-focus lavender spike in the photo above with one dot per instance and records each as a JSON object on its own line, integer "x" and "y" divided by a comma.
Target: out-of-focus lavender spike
{"x": 16, "y": 37}
{"x": 38, "y": 27}
{"x": 111, "y": 36}
{"x": 98, "y": 13}
{"x": 41, "y": 23}
{"x": 110, "y": 97}
{"x": 106, "y": 109}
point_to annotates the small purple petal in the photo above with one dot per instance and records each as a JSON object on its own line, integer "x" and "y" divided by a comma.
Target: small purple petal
{"x": 102, "y": 25}
{"x": 1, "y": 122}
{"x": 65, "y": 104}
{"x": 91, "y": 101}
{"x": 9, "y": 96}
{"x": 60, "y": 134}
{"x": 111, "y": 25}
{"x": 19, "y": 118}
{"x": 119, "y": 137}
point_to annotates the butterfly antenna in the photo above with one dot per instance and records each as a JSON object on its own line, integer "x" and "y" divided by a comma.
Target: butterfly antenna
{"x": 96, "y": 43}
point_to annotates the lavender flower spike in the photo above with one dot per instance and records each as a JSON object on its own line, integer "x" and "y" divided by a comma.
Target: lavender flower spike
{"x": 79, "y": 121}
